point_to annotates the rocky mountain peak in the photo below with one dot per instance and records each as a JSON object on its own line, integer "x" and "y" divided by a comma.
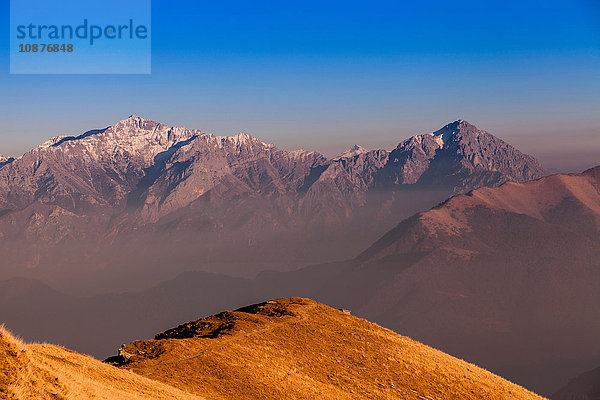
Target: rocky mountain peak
{"x": 138, "y": 122}
{"x": 138, "y": 126}
{"x": 244, "y": 138}
{"x": 458, "y": 130}
{"x": 459, "y": 152}
{"x": 352, "y": 151}
{"x": 453, "y": 132}
{"x": 5, "y": 160}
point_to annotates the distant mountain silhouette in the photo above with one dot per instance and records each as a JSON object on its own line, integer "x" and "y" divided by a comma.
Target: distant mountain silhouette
{"x": 584, "y": 387}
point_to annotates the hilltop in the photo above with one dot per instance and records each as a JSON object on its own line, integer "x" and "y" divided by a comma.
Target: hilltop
{"x": 295, "y": 348}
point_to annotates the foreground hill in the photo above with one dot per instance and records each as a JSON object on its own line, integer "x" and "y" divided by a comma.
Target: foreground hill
{"x": 298, "y": 349}
{"x": 44, "y": 371}
{"x": 122, "y": 193}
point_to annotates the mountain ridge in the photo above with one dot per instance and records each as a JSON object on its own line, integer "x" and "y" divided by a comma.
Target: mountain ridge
{"x": 506, "y": 197}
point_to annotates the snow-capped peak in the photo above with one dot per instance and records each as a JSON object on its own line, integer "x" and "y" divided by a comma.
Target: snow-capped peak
{"x": 352, "y": 152}
{"x": 242, "y": 139}
{"x": 135, "y": 122}
{"x": 439, "y": 139}
{"x": 52, "y": 141}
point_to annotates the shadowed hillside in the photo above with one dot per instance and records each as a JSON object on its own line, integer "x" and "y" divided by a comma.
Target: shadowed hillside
{"x": 584, "y": 387}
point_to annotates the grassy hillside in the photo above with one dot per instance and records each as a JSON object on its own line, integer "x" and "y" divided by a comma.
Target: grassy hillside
{"x": 43, "y": 371}
{"x": 299, "y": 349}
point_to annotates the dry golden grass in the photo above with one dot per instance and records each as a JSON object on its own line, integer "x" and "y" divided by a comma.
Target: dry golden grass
{"x": 43, "y": 371}
{"x": 299, "y": 349}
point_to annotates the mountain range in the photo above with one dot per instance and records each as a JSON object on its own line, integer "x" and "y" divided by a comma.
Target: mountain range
{"x": 106, "y": 210}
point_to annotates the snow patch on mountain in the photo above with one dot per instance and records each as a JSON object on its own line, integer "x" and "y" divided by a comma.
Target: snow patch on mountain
{"x": 52, "y": 141}
{"x": 5, "y": 160}
{"x": 352, "y": 152}
{"x": 243, "y": 139}
{"x": 438, "y": 139}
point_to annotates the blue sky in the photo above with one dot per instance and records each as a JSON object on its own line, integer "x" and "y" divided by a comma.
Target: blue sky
{"x": 325, "y": 75}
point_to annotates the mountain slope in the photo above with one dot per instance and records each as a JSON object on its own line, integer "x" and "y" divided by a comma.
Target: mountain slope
{"x": 584, "y": 387}
{"x": 569, "y": 202}
{"x": 44, "y": 371}
{"x": 297, "y": 348}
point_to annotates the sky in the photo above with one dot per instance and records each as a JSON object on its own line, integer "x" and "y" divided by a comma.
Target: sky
{"x": 324, "y": 75}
